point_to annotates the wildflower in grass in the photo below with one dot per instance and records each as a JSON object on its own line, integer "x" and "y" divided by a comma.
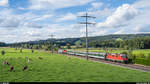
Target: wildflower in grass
{"x": 28, "y": 61}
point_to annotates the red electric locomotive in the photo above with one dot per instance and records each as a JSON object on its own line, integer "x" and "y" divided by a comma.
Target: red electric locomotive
{"x": 117, "y": 57}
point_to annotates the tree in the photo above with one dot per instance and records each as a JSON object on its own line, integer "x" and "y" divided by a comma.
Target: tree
{"x": 32, "y": 51}
{"x": 3, "y": 52}
{"x": 78, "y": 43}
{"x": 68, "y": 46}
{"x": 21, "y": 50}
{"x": 142, "y": 45}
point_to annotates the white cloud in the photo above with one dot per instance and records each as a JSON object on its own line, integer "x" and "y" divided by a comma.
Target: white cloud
{"x": 21, "y": 8}
{"x": 120, "y": 17}
{"x": 42, "y": 17}
{"x": 68, "y": 16}
{"x": 8, "y": 19}
{"x": 27, "y": 34}
{"x": 101, "y": 14}
{"x": 30, "y": 26}
{"x": 3, "y": 2}
{"x": 96, "y": 5}
{"x": 142, "y": 4}
{"x": 56, "y": 4}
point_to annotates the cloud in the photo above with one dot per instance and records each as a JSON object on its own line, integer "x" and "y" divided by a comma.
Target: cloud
{"x": 4, "y": 3}
{"x": 143, "y": 28}
{"x": 96, "y": 5}
{"x": 32, "y": 25}
{"x": 42, "y": 17}
{"x": 29, "y": 33}
{"x": 7, "y": 19}
{"x": 21, "y": 8}
{"x": 120, "y": 17}
{"x": 68, "y": 16}
{"x": 142, "y": 4}
{"x": 56, "y": 4}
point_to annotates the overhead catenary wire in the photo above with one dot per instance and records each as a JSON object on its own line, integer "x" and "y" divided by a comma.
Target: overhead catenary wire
{"x": 86, "y": 16}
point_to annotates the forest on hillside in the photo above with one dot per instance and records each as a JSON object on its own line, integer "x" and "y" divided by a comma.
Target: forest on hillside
{"x": 125, "y": 41}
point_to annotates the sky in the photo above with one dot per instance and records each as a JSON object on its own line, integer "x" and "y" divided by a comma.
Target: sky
{"x": 29, "y": 20}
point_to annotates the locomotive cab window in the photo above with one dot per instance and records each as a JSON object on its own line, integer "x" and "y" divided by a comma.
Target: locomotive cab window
{"x": 123, "y": 56}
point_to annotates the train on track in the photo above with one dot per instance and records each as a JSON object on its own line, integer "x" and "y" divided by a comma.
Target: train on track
{"x": 115, "y": 57}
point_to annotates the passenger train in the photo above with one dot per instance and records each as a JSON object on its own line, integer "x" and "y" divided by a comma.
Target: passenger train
{"x": 115, "y": 57}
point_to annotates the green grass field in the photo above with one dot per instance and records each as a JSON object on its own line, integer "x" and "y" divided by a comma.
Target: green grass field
{"x": 58, "y": 68}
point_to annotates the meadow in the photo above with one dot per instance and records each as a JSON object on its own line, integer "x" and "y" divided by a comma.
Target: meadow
{"x": 59, "y": 68}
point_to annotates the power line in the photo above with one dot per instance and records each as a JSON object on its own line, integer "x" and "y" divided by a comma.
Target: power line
{"x": 86, "y": 24}
{"x": 51, "y": 42}
{"x": 52, "y": 35}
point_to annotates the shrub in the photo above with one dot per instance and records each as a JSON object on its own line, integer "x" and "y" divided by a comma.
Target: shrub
{"x": 148, "y": 57}
{"x": 56, "y": 49}
{"x": 124, "y": 52}
{"x": 143, "y": 61}
{"x": 32, "y": 51}
{"x": 142, "y": 55}
{"x": 130, "y": 55}
{"x": 3, "y": 52}
{"x": 20, "y": 50}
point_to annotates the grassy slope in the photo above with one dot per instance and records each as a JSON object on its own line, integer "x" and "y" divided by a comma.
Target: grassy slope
{"x": 58, "y": 68}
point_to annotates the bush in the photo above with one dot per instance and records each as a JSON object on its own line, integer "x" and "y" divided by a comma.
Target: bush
{"x": 142, "y": 55}
{"x": 142, "y": 61}
{"x": 148, "y": 57}
{"x": 32, "y": 51}
{"x": 20, "y": 50}
{"x": 124, "y": 52}
{"x": 130, "y": 55}
{"x": 3, "y": 52}
{"x": 56, "y": 49}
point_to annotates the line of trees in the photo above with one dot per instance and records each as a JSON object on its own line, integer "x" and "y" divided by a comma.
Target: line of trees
{"x": 2, "y": 44}
{"x": 136, "y": 43}
{"x": 44, "y": 45}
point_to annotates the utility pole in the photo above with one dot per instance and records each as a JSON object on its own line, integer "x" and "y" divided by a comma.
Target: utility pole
{"x": 86, "y": 24}
{"x": 51, "y": 42}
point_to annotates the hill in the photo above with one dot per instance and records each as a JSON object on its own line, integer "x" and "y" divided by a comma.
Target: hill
{"x": 94, "y": 38}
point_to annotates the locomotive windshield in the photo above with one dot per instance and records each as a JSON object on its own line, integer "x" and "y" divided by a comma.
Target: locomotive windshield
{"x": 123, "y": 56}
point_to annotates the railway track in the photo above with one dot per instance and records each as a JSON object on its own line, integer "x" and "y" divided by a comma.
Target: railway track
{"x": 131, "y": 66}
